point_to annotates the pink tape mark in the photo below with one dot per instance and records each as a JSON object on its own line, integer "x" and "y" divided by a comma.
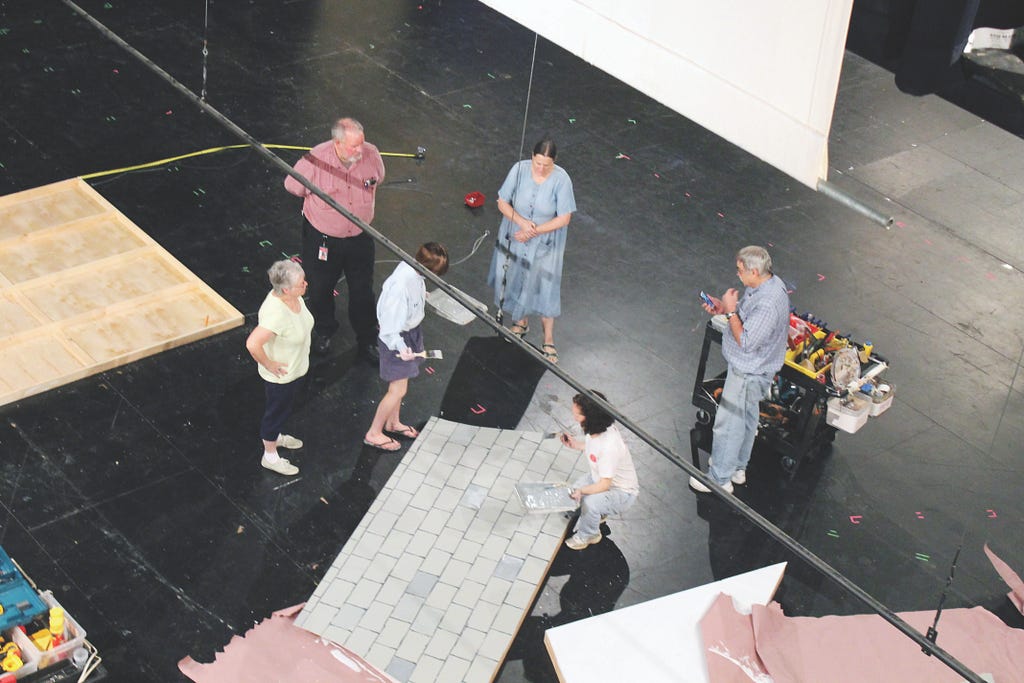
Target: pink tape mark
{"x": 821, "y": 277}
{"x": 687, "y": 194}
{"x": 335, "y": 292}
{"x": 991, "y": 514}
{"x": 990, "y": 276}
{"x": 296, "y": 259}
{"x": 429, "y": 370}
{"x": 900, "y": 224}
{"x": 855, "y": 519}
{"x": 656, "y": 175}
{"x": 720, "y": 214}
{"x": 168, "y": 112}
{"x": 479, "y": 410}
{"x": 920, "y": 515}
{"x": 620, "y": 155}
{"x": 116, "y": 71}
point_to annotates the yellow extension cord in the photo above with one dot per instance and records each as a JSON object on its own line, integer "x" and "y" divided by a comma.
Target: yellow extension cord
{"x": 213, "y": 150}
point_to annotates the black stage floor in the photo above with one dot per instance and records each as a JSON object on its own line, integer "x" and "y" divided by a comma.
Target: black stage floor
{"x": 137, "y": 495}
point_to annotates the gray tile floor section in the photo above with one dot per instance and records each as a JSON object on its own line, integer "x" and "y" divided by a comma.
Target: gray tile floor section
{"x": 435, "y": 580}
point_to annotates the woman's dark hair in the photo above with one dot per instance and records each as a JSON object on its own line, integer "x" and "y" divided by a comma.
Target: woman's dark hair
{"x": 595, "y": 418}
{"x": 547, "y": 148}
{"x": 434, "y": 257}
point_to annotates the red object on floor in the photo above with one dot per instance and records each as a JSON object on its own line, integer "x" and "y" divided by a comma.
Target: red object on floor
{"x": 475, "y": 199}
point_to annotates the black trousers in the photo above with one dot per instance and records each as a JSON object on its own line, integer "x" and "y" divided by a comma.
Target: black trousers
{"x": 278, "y": 407}
{"x": 353, "y": 257}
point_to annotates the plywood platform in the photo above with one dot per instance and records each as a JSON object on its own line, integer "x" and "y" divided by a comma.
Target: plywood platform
{"x": 83, "y": 290}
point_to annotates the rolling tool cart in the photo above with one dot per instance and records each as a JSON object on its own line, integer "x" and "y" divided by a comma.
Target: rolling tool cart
{"x": 827, "y": 383}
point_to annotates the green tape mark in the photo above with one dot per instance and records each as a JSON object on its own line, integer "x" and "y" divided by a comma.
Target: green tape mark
{"x": 633, "y": 121}
{"x": 266, "y": 243}
{"x": 922, "y": 557}
{"x": 833, "y": 533}
{"x": 467, "y": 106}
{"x": 572, "y": 120}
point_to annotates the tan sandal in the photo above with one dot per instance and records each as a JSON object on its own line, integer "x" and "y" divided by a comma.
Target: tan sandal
{"x": 552, "y": 354}
{"x": 519, "y": 330}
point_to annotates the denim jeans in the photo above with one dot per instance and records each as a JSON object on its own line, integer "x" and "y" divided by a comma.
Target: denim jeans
{"x": 736, "y": 423}
{"x": 597, "y": 505}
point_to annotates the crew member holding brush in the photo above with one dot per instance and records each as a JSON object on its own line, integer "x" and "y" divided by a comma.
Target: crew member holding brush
{"x": 399, "y": 314}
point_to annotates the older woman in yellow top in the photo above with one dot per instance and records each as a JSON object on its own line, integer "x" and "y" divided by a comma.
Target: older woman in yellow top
{"x": 280, "y": 344}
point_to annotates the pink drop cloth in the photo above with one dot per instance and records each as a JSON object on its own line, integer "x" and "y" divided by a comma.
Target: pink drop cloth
{"x": 1016, "y": 594}
{"x": 768, "y": 647}
{"x": 277, "y": 651}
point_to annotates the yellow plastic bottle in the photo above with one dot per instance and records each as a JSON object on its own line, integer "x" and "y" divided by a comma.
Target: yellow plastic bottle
{"x": 865, "y": 353}
{"x": 57, "y": 621}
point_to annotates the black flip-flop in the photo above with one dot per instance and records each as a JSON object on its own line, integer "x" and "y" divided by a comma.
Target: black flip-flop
{"x": 384, "y": 446}
{"x": 407, "y": 433}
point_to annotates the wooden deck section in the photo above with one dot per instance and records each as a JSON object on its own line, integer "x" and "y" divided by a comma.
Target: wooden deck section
{"x": 83, "y": 290}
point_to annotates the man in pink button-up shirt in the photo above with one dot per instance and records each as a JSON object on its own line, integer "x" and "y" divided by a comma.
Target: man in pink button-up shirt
{"x": 349, "y": 169}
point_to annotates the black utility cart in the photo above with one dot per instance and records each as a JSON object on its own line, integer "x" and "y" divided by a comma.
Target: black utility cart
{"x": 794, "y": 419}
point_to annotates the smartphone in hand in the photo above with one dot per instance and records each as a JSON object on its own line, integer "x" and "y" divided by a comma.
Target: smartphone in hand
{"x": 707, "y": 299}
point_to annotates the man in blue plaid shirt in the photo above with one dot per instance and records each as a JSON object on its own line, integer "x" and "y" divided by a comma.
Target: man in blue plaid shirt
{"x": 754, "y": 346}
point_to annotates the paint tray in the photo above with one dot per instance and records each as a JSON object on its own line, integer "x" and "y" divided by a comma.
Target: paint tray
{"x": 449, "y": 308}
{"x": 545, "y": 497}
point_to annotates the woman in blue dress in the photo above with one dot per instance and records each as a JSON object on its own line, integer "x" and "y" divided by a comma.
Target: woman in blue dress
{"x": 536, "y": 202}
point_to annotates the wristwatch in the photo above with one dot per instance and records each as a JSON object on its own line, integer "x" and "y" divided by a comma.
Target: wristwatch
{"x": 730, "y": 314}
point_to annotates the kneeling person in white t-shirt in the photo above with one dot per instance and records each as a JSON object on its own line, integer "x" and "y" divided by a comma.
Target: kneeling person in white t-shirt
{"x": 611, "y": 486}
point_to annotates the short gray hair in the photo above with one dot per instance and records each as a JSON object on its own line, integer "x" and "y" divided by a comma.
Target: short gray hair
{"x": 755, "y": 258}
{"x": 344, "y": 125}
{"x": 284, "y": 274}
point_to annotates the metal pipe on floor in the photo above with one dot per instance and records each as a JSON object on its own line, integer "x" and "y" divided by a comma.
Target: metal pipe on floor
{"x": 746, "y": 511}
{"x": 848, "y": 200}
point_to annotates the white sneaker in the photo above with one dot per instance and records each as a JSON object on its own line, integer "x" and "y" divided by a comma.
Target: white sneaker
{"x": 701, "y": 488}
{"x": 282, "y": 466}
{"x": 578, "y": 542}
{"x": 288, "y": 441}
{"x": 738, "y": 477}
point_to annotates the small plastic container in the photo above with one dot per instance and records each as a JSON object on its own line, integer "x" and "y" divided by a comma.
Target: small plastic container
{"x": 849, "y": 416}
{"x": 74, "y": 637}
{"x": 881, "y": 399}
{"x": 29, "y": 654}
